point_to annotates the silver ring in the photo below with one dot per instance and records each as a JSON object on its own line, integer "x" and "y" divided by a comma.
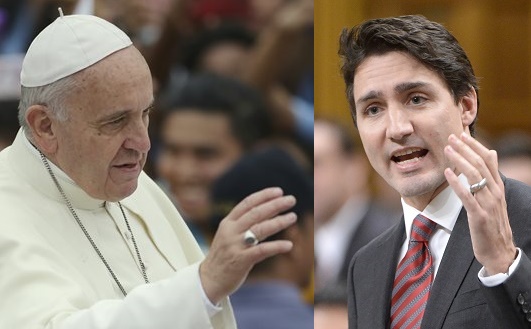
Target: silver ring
{"x": 478, "y": 186}
{"x": 249, "y": 239}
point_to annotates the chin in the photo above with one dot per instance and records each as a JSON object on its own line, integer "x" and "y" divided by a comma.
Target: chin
{"x": 121, "y": 194}
{"x": 418, "y": 186}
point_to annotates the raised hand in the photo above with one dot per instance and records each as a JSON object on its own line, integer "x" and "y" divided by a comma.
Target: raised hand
{"x": 230, "y": 259}
{"x": 491, "y": 234}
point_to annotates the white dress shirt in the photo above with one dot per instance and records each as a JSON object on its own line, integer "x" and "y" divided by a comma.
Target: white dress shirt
{"x": 444, "y": 210}
{"x": 332, "y": 239}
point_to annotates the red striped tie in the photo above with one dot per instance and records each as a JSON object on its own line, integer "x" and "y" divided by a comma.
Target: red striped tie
{"x": 413, "y": 278}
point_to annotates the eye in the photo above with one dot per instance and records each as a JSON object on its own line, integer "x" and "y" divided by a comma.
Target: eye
{"x": 113, "y": 126}
{"x": 372, "y": 110}
{"x": 116, "y": 122}
{"x": 417, "y": 99}
{"x": 147, "y": 111}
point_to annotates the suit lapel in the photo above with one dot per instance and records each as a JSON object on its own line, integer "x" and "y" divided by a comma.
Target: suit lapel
{"x": 457, "y": 259}
{"x": 378, "y": 298}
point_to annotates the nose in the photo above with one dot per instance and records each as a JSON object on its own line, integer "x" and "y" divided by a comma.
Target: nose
{"x": 399, "y": 123}
{"x": 137, "y": 137}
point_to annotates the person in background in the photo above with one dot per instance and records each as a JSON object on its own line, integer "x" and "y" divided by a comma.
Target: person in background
{"x": 346, "y": 215}
{"x": 207, "y": 125}
{"x": 514, "y": 153}
{"x": 88, "y": 240}
{"x": 224, "y": 49}
{"x": 271, "y": 295}
{"x": 459, "y": 257}
{"x": 330, "y": 308}
{"x": 278, "y": 62}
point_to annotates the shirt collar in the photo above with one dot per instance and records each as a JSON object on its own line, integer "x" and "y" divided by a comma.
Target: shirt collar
{"x": 76, "y": 195}
{"x": 443, "y": 209}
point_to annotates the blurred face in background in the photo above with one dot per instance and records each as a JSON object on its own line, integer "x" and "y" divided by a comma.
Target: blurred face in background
{"x": 226, "y": 58}
{"x": 196, "y": 149}
{"x": 337, "y": 175}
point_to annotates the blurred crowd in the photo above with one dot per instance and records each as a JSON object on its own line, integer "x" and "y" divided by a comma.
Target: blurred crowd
{"x": 233, "y": 84}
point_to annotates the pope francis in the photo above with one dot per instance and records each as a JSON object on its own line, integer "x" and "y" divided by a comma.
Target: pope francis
{"x": 87, "y": 239}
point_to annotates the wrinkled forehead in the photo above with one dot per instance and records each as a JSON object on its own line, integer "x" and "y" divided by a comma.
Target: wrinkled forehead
{"x": 119, "y": 82}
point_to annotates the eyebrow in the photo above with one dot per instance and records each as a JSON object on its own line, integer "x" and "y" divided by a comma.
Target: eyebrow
{"x": 407, "y": 86}
{"x": 400, "y": 88}
{"x": 368, "y": 96}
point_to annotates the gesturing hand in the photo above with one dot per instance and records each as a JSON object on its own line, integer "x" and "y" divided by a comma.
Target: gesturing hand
{"x": 492, "y": 238}
{"x": 229, "y": 259}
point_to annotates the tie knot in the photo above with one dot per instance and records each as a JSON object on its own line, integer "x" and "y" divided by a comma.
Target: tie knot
{"x": 422, "y": 228}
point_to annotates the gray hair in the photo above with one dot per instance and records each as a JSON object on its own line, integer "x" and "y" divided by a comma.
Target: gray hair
{"x": 52, "y": 95}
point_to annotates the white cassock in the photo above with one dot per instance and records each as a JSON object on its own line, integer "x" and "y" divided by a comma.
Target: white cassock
{"x": 51, "y": 277}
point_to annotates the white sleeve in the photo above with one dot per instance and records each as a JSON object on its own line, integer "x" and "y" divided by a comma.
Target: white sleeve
{"x": 211, "y": 308}
{"x": 170, "y": 303}
{"x": 499, "y": 278}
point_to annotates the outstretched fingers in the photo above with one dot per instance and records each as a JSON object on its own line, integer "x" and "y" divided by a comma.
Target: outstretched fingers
{"x": 254, "y": 200}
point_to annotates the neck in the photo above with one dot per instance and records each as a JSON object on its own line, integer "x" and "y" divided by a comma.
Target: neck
{"x": 420, "y": 202}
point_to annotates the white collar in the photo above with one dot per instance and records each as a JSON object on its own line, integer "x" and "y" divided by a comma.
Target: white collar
{"x": 443, "y": 209}
{"x": 27, "y": 161}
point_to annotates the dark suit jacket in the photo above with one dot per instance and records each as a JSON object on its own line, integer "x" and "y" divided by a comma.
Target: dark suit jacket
{"x": 457, "y": 300}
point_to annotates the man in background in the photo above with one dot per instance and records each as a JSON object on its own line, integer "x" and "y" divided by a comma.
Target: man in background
{"x": 271, "y": 295}
{"x": 207, "y": 124}
{"x": 346, "y": 215}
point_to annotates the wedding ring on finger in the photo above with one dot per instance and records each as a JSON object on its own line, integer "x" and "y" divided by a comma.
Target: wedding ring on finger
{"x": 478, "y": 186}
{"x": 249, "y": 238}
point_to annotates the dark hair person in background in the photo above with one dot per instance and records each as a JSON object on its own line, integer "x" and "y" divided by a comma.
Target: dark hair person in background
{"x": 347, "y": 216}
{"x": 271, "y": 295}
{"x": 207, "y": 124}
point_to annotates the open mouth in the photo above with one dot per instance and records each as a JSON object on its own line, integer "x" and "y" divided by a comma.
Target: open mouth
{"x": 127, "y": 166}
{"x": 409, "y": 155}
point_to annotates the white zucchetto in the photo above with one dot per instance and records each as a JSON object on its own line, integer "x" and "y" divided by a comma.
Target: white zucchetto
{"x": 68, "y": 45}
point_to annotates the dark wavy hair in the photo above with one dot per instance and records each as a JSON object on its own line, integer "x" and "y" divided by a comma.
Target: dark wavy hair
{"x": 211, "y": 93}
{"x": 429, "y": 42}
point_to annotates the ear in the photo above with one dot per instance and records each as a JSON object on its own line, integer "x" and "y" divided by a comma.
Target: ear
{"x": 469, "y": 107}
{"x": 40, "y": 123}
{"x": 293, "y": 234}
{"x": 299, "y": 234}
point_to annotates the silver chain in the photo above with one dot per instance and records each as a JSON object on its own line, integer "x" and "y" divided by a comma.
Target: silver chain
{"x": 74, "y": 214}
